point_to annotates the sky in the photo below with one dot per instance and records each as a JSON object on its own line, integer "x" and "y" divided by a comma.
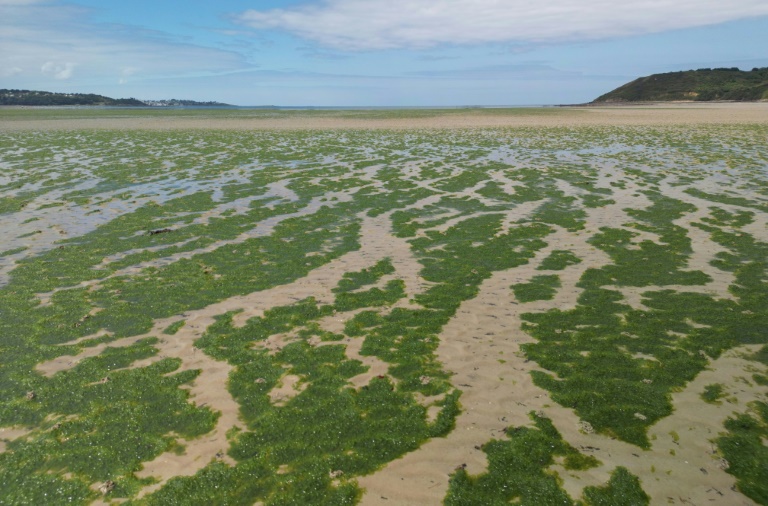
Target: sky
{"x": 370, "y": 52}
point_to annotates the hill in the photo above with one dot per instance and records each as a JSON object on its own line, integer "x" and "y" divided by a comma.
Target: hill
{"x": 29, "y": 97}
{"x": 695, "y": 85}
{"x": 47, "y": 98}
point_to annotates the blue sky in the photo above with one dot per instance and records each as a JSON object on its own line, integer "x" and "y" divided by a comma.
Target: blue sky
{"x": 370, "y": 52}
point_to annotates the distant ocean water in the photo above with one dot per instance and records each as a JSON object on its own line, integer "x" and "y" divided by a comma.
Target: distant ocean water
{"x": 395, "y": 107}
{"x": 310, "y": 107}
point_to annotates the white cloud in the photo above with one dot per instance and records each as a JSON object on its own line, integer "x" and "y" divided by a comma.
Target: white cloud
{"x": 58, "y": 70}
{"x": 387, "y": 24}
{"x": 127, "y": 72}
{"x": 54, "y": 41}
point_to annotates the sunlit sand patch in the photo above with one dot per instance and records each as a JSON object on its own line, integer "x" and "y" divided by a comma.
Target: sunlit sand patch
{"x": 473, "y": 344}
{"x": 66, "y": 362}
{"x": 377, "y": 368}
{"x": 276, "y": 342}
{"x": 8, "y": 434}
{"x": 337, "y": 321}
{"x": 431, "y": 403}
{"x": 614, "y": 215}
{"x": 287, "y": 388}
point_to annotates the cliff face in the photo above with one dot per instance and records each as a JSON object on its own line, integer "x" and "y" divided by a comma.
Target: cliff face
{"x": 696, "y": 85}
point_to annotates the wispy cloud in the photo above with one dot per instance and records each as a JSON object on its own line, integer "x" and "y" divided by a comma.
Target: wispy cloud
{"x": 320, "y": 54}
{"x": 20, "y": 2}
{"x": 528, "y": 71}
{"x": 44, "y": 41}
{"x": 384, "y": 24}
{"x": 61, "y": 70}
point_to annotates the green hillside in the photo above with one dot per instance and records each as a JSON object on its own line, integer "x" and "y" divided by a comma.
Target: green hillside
{"x": 697, "y": 85}
{"x": 47, "y": 98}
{"x": 28, "y": 97}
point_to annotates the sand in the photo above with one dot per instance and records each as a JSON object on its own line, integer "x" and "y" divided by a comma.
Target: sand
{"x": 496, "y": 394}
{"x": 647, "y": 114}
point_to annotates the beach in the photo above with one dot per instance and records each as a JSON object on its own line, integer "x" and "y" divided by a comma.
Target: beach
{"x": 672, "y": 180}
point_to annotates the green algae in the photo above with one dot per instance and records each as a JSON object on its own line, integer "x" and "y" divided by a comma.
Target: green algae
{"x": 95, "y": 405}
{"x": 559, "y": 260}
{"x": 623, "y": 489}
{"x": 518, "y": 471}
{"x": 744, "y": 449}
{"x": 602, "y": 359}
{"x": 174, "y": 327}
{"x": 13, "y": 251}
{"x": 542, "y": 287}
{"x": 713, "y": 393}
{"x": 248, "y": 211}
{"x": 392, "y": 292}
{"x": 613, "y": 361}
{"x": 727, "y": 199}
{"x": 353, "y": 280}
{"x": 349, "y": 297}
{"x": 328, "y": 427}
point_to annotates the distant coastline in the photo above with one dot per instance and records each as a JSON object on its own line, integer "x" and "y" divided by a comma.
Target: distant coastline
{"x": 33, "y": 98}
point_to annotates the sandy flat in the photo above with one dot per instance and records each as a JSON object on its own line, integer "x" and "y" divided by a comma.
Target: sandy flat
{"x": 650, "y": 114}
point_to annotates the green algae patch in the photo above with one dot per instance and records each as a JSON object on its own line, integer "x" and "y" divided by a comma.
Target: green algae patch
{"x": 519, "y": 472}
{"x": 174, "y": 327}
{"x": 558, "y": 260}
{"x": 349, "y": 296}
{"x": 713, "y": 393}
{"x": 539, "y": 288}
{"x": 722, "y": 218}
{"x": 392, "y": 292}
{"x": 96, "y": 406}
{"x": 13, "y": 251}
{"x": 727, "y": 199}
{"x": 354, "y": 280}
{"x": 743, "y": 447}
{"x": 612, "y": 362}
{"x": 623, "y": 489}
